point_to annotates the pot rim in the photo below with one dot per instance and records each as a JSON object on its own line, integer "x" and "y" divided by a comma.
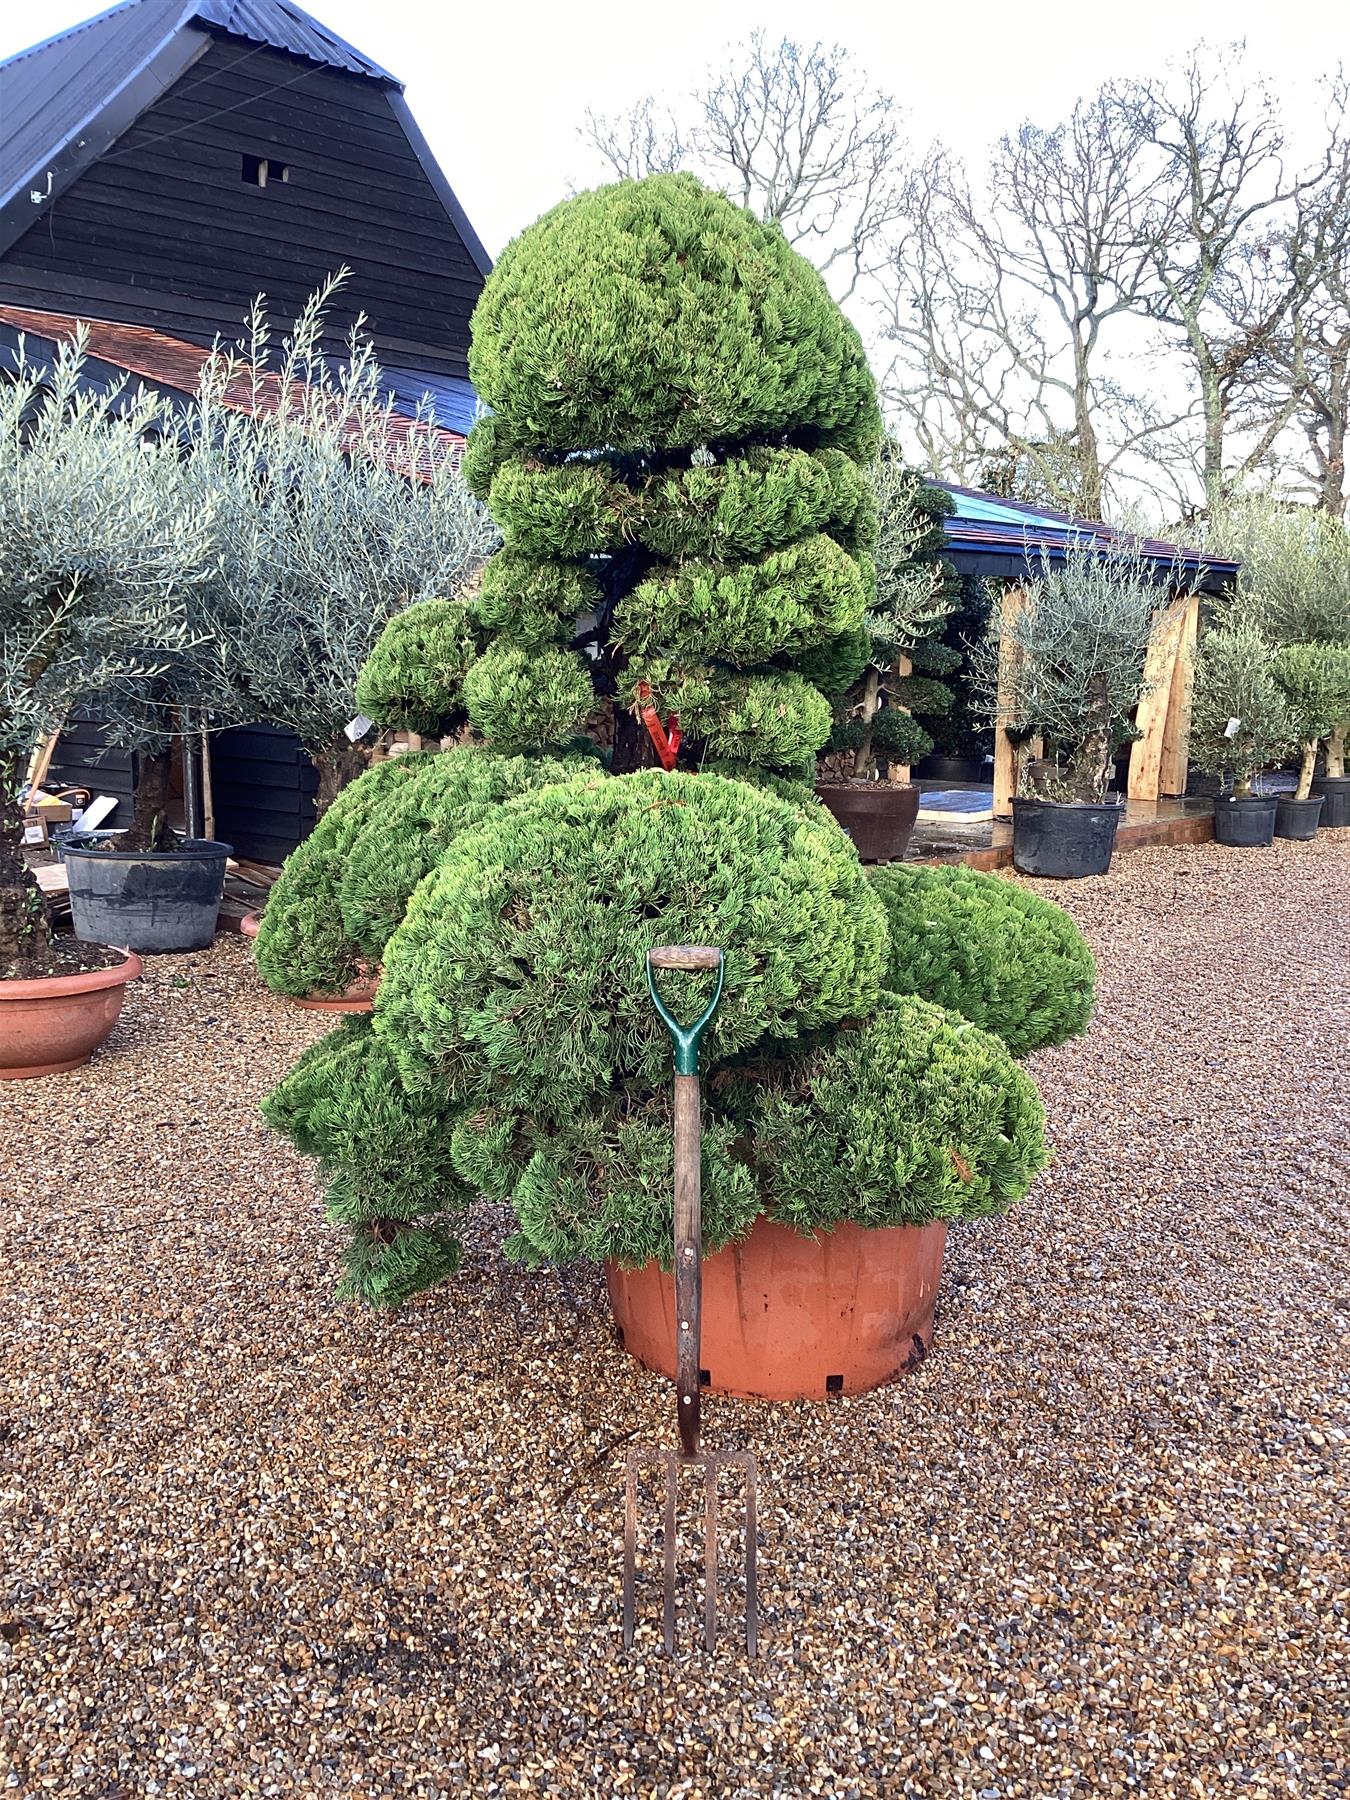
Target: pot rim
{"x": 1248, "y": 799}
{"x": 1069, "y": 805}
{"x": 1293, "y": 799}
{"x": 191, "y": 850}
{"x": 90, "y": 981}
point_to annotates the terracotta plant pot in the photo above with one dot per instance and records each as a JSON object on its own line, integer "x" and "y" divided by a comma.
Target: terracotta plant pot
{"x": 787, "y": 1317}
{"x": 359, "y": 997}
{"x": 58, "y": 1021}
{"x": 878, "y": 815}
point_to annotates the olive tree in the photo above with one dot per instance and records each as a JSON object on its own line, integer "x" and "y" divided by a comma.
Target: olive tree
{"x": 103, "y": 538}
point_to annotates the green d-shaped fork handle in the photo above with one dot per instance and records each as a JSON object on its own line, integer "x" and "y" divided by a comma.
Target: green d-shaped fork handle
{"x": 685, "y": 957}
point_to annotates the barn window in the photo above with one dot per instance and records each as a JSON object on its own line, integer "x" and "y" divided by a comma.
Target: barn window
{"x": 257, "y": 171}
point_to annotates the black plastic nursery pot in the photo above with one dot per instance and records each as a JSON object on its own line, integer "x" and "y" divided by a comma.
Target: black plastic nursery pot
{"x": 1297, "y": 819}
{"x": 1064, "y": 839}
{"x": 1247, "y": 823}
{"x": 1334, "y": 791}
{"x": 951, "y": 768}
{"x": 147, "y": 900}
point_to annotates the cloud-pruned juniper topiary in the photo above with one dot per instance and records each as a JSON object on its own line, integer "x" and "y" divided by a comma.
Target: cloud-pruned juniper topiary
{"x": 980, "y": 946}
{"x": 676, "y": 459}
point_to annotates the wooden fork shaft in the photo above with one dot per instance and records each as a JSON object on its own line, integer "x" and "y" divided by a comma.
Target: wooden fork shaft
{"x": 688, "y": 1259}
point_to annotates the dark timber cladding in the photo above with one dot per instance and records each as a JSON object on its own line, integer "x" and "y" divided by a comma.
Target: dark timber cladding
{"x": 171, "y": 227}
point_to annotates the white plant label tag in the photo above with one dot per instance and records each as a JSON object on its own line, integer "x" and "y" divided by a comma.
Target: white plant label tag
{"x": 358, "y": 727}
{"x": 1232, "y": 728}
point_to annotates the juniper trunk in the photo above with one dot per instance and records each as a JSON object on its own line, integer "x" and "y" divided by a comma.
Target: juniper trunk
{"x": 862, "y": 761}
{"x": 25, "y": 936}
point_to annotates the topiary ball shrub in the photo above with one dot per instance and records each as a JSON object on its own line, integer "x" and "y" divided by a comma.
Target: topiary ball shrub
{"x": 660, "y": 313}
{"x": 911, "y": 1116}
{"x": 518, "y": 971}
{"x": 1005, "y": 959}
{"x": 412, "y": 678}
{"x": 303, "y": 947}
{"x": 386, "y": 1157}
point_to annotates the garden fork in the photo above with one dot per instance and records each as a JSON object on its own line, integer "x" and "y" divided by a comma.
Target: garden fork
{"x": 688, "y": 1323}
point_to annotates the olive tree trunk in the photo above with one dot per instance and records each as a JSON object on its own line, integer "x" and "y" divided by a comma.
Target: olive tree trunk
{"x": 1306, "y": 768}
{"x": 25, "y": 935}
{"x": 338, "y": 764}
{"x": 1336, "y": 752}
{"x": 149, "y": 828}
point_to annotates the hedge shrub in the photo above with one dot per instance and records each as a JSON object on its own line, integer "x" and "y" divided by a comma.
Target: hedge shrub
{"x": 519, "y": 968}
{"x": 1003, "y": 958}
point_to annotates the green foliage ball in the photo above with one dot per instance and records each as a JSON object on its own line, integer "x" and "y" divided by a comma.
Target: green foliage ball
{"x": 405, "y": 840}
{"x": 532, "y": 603}
{"x": 413, "y": 677}
{"x": 519, "y": 970}
{"x": 521, "y": 699}
{"x": 659, "y": 314}
{"x": 303, "y": 947}
{"x": 744, "y": 613}
{"x": 912, "y": 1116}
{"x": 1003, "y": 958}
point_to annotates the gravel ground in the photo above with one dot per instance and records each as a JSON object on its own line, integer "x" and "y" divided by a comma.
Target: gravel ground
{"x": 253, "y": 1542}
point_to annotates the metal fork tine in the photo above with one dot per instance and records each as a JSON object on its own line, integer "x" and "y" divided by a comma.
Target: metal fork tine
{"x": 710, "y": 1556}
{"x": 672, "y": 1486}
{"x": 630, "y": 1554}
{"x": 751, "y": 1571}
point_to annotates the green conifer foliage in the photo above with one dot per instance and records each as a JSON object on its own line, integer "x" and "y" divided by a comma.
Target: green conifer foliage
{"x": 914, "y": 1116}
{"x": 657, "y": 313}
{"x": 681, "y": 419}
{"x": 386, "y": 1157}
{"x": 1003, "y": 958}
{"x": 407, "y": 838}
{"x": 413, "y": 677}
{"x": 744, "y": 613}
{"x": 533, "y": 603}
{"x": 303, "y": 947}
{"x": 518, "y": 970}
{"x": 522, "y": 699}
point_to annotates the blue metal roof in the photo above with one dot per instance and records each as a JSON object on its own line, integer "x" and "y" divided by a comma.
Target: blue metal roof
{"x": 988, "y": 535}
{"x": 450, "y": 398}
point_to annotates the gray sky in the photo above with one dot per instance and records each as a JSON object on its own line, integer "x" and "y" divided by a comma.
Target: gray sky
{"x": 499, "y": 90}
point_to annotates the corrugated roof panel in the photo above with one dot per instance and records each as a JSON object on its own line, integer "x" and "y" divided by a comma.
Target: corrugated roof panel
{"x": 288, "y": 27}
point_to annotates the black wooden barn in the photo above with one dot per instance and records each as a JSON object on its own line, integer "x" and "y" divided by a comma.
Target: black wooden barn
{"x": 162, "y": 164}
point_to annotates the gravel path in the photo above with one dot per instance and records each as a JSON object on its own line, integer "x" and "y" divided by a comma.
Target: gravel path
{"x": 256, "y": 1543}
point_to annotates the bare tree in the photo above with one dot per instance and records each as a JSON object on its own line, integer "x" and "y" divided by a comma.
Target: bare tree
{"x": 998, "y": 299}
{"x": 796, "y": 134}
{"x": 1303, "y": 377}
{"x": 1222, "y": 190}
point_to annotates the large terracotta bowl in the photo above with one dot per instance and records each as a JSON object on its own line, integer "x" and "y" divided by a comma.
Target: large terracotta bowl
{"x": 57, "y": 1022}
{"x": 787, "y": 1317}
